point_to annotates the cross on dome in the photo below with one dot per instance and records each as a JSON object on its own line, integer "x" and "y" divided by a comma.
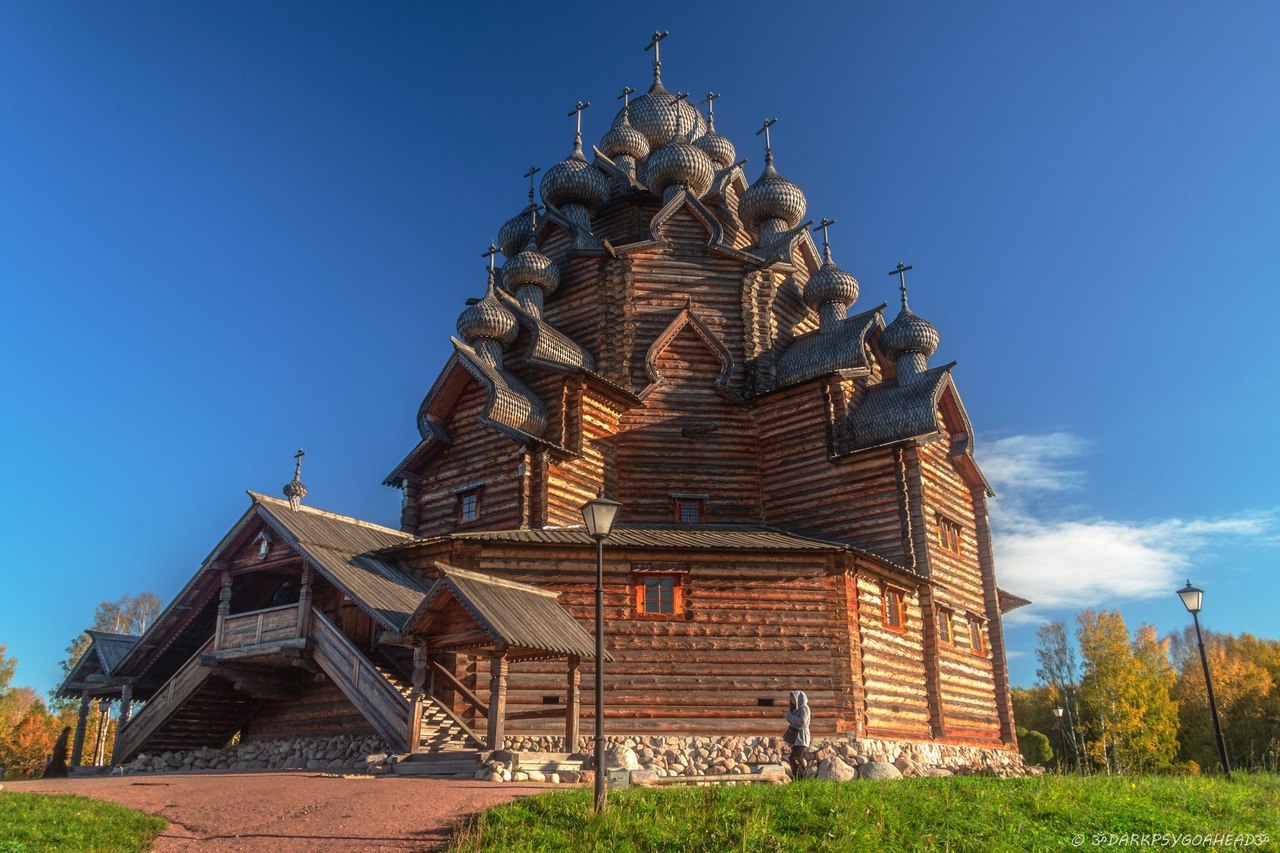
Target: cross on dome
{"x": 768, "y": 144}
{"x": 901, "y": 272}
{"x": 826, "y": 243}
{"x": 657, "y": 59}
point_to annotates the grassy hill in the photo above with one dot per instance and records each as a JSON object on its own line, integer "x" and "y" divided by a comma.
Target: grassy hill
{"x": 980, "y": 814}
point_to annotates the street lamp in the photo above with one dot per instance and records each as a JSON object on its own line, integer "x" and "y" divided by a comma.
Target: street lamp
{"x": 598, "y": 515}
{"x": 1062, "y": 741}
{"x": 1193, "y": 598}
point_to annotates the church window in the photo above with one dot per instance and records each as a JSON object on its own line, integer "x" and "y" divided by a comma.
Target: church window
{"x": 975, "y": 635}
{"x": 468, "y": 506}
{"x": 659, "y": 595}
{"x": 948, "y": 535}
{"x": 690, "y": 510}
{"x": 946, "y": 632}
{"x": 893, "y": 607}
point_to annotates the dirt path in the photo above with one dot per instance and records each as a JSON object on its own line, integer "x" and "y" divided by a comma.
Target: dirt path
{"x": 294, "y": 811}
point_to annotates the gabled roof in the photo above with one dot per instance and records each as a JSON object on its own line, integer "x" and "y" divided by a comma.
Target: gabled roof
{"x": 1008, "y": 601}
{"x": 815, "y": 354}
{"x": 513, "y": 614}
{"x": 106, "y": 650}
{"x": 890, "y": 412}
{"x": 338, "y": 547}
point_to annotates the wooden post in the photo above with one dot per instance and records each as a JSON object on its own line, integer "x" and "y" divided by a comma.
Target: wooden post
{"x": 497, "y": 696}
{"x": 77, "y": 745}
{"x": 224, "y": 608}
{"x": 419, "y": 682}
{"x": 100, "y": 742}
{"x": 572, "y": 699}
{"x": 304, "y": 603}
{"x": 126, "y": 710}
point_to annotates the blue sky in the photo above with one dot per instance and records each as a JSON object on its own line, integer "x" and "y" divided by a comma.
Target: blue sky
{"x": 229, "y": 230}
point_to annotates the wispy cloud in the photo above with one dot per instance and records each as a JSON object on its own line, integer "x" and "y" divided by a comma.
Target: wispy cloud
{"x": 1057, "y": 554}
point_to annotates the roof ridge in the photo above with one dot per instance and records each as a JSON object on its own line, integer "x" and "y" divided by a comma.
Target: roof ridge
{"x": 447, "y": 570}
{"x": 111, "y": 634}
{"x": 258, "y": 497}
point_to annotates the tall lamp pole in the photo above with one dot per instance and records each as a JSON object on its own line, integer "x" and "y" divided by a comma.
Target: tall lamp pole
{"x": 1193, "y": 598}
{"x": 598, "y": 514}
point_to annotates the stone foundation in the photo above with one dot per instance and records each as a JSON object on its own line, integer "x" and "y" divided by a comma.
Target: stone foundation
{"x": 340, "y": 752}
{"x": 709, "y": 756}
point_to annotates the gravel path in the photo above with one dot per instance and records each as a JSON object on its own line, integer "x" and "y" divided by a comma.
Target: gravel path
{"x": 294, "y": 811}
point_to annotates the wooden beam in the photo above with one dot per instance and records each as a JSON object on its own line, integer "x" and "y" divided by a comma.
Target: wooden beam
{"x": 480, "y": 706}
{"x": 77, "y": 746}
{"x": 572, "y": 698}
{"x": 497, "y": 696}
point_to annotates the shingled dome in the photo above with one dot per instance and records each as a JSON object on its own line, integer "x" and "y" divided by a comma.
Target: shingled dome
{"x": 909, "y": 333}
{"x": 488, "y": 319}
{"x": 831, "y": 284}
{"x": 771, "y": 197}
{"x": 679, "y": 163}
{"x": 575, "y": 181}
{"x": 659, "y": 116}
{"x": 531, "y": 267}
{"x": 514, "y": 233}
{"x": 624, "y": 139}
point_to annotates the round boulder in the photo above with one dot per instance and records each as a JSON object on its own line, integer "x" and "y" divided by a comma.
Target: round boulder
{"x": 878, "y": 770}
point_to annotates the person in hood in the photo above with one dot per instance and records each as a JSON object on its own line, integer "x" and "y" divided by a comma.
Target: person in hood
{"x": 797, "y": 734}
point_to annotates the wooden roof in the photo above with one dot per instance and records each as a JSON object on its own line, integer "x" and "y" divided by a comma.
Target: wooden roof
{"x": 1009, "y": 601}
{"x": 717, "y": 536}
{"x": 338, "y": 547}
{"x": 513, "y": 614}
{"x": 106, "y": 650}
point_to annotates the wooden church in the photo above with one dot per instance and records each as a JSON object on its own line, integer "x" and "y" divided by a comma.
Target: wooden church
{"x": 801, "y": 507}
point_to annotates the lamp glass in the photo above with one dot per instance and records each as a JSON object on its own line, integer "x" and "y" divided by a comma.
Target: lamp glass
{"x": 598, "y": 514}
{"x": 1192, "y": 598}
{"x": 1057, "y": 712}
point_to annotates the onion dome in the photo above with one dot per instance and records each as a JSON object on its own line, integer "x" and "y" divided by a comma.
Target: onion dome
{"x": 624, "y": 139}
{"x": 575, "y": 181}
{"x": 294, "y": 491}
{"x": 514, "y": 233}
{"x": 771, "y": 197}
{"x": 488, "y": 319}
{"x": 831, "y": 284}
{"x": 659, "y": 116}
{"x": 679, "y": 163}
{"x": 718, "y": 148}
{"x": 908, "y": 334}
{"x": 531, "y": 267}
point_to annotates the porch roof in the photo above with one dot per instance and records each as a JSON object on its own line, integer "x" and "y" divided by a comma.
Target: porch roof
{"x": 513, "y": 614}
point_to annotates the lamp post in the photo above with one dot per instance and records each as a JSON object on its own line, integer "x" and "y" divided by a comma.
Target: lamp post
{"x": 1062, "y": 742}
{"x": 598, "y": 514}
{"x": 1192, "y": 599}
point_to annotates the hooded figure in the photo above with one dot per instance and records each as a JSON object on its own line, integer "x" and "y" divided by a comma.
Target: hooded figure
{"x": 798, "y": 732}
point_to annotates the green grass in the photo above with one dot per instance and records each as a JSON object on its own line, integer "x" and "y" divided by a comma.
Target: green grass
{"x": 971, "y": 813}
{"x": 62, "y": 822}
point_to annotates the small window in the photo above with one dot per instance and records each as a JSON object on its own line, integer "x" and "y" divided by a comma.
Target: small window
{"x": 975, "y": 636}
{"x": 468, "y": 506}
{"x": 659, "y": 595}
{"x": 893, "y": 608}
{"x": 946, "y": 632}
{"x": 690, "y": 510}
{"x": 764, "y": 702}
{"x": 948, "y": 534}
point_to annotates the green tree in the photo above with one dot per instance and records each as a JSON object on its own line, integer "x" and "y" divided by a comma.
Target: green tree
{"x": 1059, "y": 669}
{"x": 1035, "y": 747}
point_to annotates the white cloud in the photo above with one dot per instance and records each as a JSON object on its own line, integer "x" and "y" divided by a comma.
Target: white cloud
{"x": 1065, "y": 562}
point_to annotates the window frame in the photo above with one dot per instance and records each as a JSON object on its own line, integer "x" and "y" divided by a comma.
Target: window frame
{"x": 945, "y": 617}
{"x": 977, "y": 644}
{"x": 639, "y": 598}
{"x": 947, "y": 534}
{"x": 885, "y": 591}
{"x": 680, "y": 501}
{"x": 460, "y": 500}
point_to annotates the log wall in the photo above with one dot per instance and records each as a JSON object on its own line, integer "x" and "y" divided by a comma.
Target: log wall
{"x": 319, "y": 711}
{"x": 893, "y": 667}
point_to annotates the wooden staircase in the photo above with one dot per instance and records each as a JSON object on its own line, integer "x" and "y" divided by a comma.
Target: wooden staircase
{"x": 440, "y": 732}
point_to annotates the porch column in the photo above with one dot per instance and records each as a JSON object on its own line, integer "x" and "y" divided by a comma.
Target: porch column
{"x": 304, "y": 603}
{"x": 77, "y": 745}
{"x": 497, "y": 696}
{"x": 419, "y": 691}
{"x": 224, "y": 609}
{"x": 571, "y": 705}
{"x": 126, "y": 709}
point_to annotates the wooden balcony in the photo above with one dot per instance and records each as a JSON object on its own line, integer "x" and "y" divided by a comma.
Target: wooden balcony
{"x": 260, "y": 627}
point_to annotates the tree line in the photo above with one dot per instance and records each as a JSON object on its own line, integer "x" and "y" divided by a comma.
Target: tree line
{"x": 29, "y": 726}
{"x": 1137, "y": 703}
